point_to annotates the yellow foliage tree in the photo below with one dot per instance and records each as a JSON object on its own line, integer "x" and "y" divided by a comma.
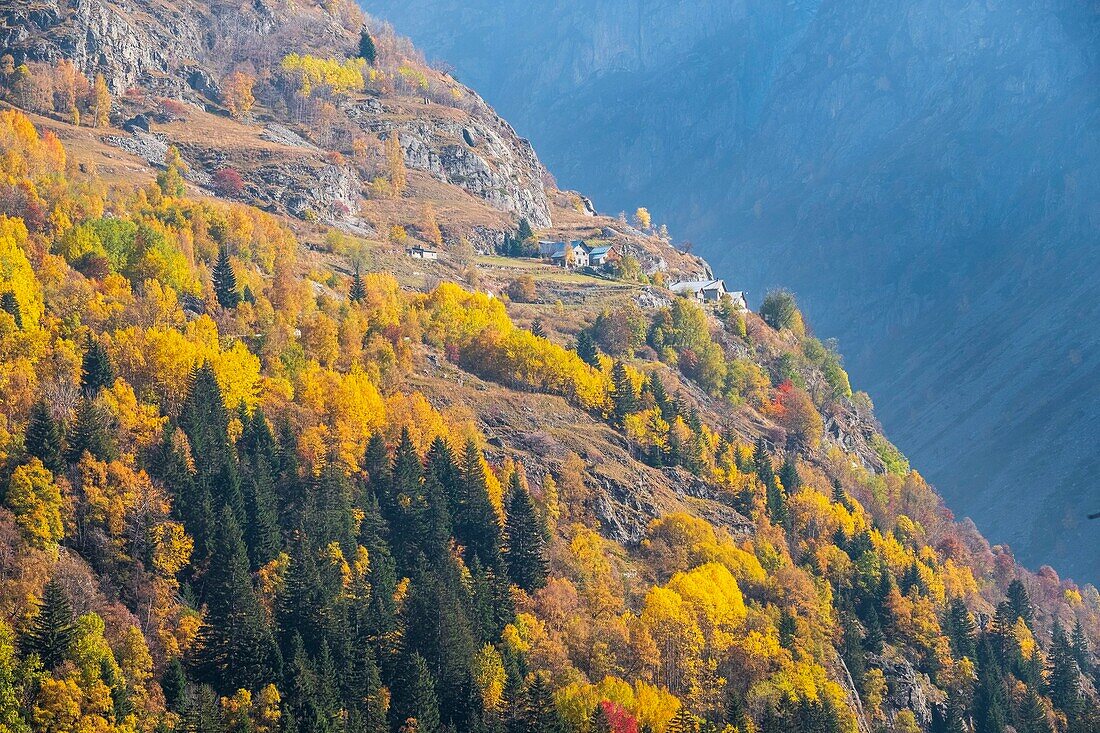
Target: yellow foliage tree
{"x": 36, "y": 501}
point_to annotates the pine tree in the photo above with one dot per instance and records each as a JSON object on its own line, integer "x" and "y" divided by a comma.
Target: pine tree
{"x": 90, "y": 433}
{"x": 234, "y": 649}
{"x": 1019, "y": 602}
{"x": 623, "y": 396}
{"x": 301, "y": 692}
{"x": 660, "y": 397}
{"x": 1080, "y": 646}
{"x": 202, "y": 713}
{"x": 258, "y": 454}
{"x": 476, "y": 525}
{"x": 599, "y": 722}
{"x": 683, "y": 722}
{"x": 358, "y": 291}
{"x": 1033, "y": 715}
{"x": 788, "y": 475}
{"x": 417, "y": 699}
{"x": 10, "y": 305}
{"x": 52, "y": 632}
{"x": 405, "y": 505}
{"x": 367, "y": 50}
{"x": 537, "y": 328}
{"x": 541, "y": 713}
{"x": 96, "y": 371}
{"x": 42, "y": 440}
{"x": 960, "y": 629}
{"x": 526, "y": 552}
{"x": 586, "y": 349}
{"x": 300, "y": 608}
{"x": 1063, "y": 676}
{"x": 225, "y": 281}
{"x": 524, "y": 232}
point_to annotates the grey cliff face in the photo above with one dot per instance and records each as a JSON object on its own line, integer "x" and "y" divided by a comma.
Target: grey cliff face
{"x": 163, "y": 49}
{"x": 924, "y": 174}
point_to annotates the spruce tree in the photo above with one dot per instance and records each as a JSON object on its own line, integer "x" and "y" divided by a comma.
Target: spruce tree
{"x": 10, "y": 305}
{"x": 526, "y": 552}
{"x": 405, "y": 507}
{"x": 683, "y": 722}
{"x": 96, "y": 371}
{"x": 235, "y": 649}
{"x": 367, "y": 50}
{"x": 599, "y": 722}
{"x": 586, "y": 349}
{"x": 1080, "y": 647}
{"x": 357, "y": 291}
{"x": 258, "y": 455}
{"x": 525, "y": 231}
{"x": 541, "y": 713}
{"x": 225, "y": 281}
{"x": 416, "y": 698}
{"x": 475, "y": 521}
{"x": 52, "y": 632}
{"x": 300, "y": 607}
{"x": 788, "y": 474}
{"x": 91, "y": 433}
{"x": 42, "y": 440}
{"x": 960, "y": 629}
{"x": 624, "y": 398}
{"x": 1033, "y": 715}
{"x": 538, "y": 329}
{"x": 1019, "y": 602}
{"x": 1063, "y": 676}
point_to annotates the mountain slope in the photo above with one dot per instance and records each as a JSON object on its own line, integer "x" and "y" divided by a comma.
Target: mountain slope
{"x": 921, "y": 174}
{"x": 300, "y": 432}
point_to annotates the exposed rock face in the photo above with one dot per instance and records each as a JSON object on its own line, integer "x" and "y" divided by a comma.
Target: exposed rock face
{"x": 922, "y": 173}
{"x": 908, "y": 689}
{"x": 163, "y": 49}
{"x": 100, "y": 38}
{"x": 482, "y": 155}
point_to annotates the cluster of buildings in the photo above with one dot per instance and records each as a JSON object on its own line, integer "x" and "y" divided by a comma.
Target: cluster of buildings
{"x": 576, "y": 253}
{"x": 709, "y": 291}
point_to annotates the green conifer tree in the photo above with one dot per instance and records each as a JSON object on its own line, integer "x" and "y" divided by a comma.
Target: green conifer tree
{"x": 51, "y": 633}
{"x": 1019, "y": 602}
{"x": 526, "y": 552}
{"x": 225, "y": 281}
{"x": 42, "y": 440}
{"x": 623, "y": 396}
{"x": 1063, "y": 676}
{"x": 91, "y": 433}
{"x": 367, "y": 50}
{"x": 475, "y": 521}
{"x": 96, "y": 371}
{"x": 10, "y": 305}
{"x": 235, "y": 649}
{"x": 524, "y": 232}
{"x": 417, "y": 699}
{"x": 538, "y": 329}
{"x": 357, "y": 292}
{"x": 1033, "y": 715}
{"x": 586, "y": 349}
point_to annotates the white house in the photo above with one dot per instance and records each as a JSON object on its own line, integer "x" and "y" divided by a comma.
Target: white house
{"x": 417, "y": 252}
{"x": 709, "y": 291}
{"x": 574, "y": 254}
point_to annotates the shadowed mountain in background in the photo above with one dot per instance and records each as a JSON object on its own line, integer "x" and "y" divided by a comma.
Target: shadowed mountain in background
{"x": 924, "y": 174}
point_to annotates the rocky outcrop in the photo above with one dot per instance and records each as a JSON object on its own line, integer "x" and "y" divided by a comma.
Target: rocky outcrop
{"x": 481, "y": 154}
{"x": 908, "y": 689}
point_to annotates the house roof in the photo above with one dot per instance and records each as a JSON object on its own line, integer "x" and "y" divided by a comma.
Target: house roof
{"x": 694, "y": 286}
{"x": 600, "y": 250}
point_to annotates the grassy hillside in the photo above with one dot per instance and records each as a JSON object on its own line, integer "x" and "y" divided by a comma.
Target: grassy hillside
{"x": 263, "y": 470}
